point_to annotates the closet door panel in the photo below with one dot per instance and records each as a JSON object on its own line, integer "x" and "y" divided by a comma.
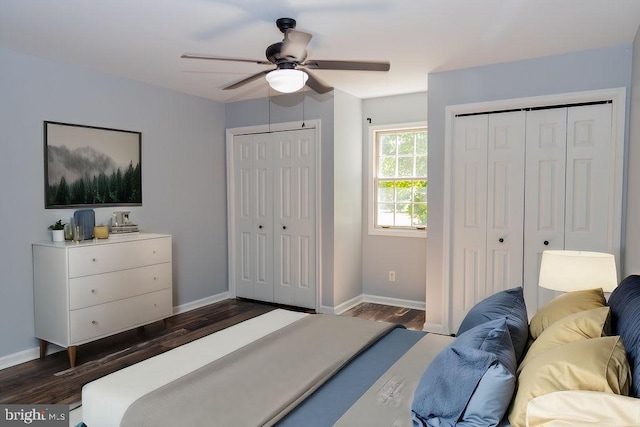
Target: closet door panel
{"x": 295, "y": 220}
{"x": 305, "y": 209}
{"x": 244, "y": 240}
{"x": 589, "y": 185}
{"x": 505, "y": 201}
{"x": 544, "y": 196}
{"x": 263, "y": 217}
{"x": 254, "y": 217}
{"x": 284, "y": 220}
{"x": 469, "y": 242}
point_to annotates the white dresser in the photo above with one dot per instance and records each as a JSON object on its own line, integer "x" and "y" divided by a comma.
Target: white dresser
{"x": 92, "y": 289}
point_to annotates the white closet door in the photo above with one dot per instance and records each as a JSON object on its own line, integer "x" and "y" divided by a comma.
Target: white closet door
{"x": 544, "y": 196}
{"x": 295, "y": 218}
{"x": 254, "y": 216}
{"x": 505, "y": 201}
{"x": 570, "y": 187}
{"x": 469, "y": 240}
{"x": 488, "y": 207}
{"x": 590, "y": 184}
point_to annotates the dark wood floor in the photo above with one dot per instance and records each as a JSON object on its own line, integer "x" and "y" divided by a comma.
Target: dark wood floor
{"x": 50, "y": 380}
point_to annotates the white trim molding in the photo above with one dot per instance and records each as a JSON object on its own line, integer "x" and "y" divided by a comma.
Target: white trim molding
{"x": 183, "y": 308}
{"x": 374, "y": 299}
{"x": 371, "y": 228}
{"x": 395, "y": 302}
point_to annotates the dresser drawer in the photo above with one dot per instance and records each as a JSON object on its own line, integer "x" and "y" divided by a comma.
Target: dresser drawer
{"x": 101, "y": 320}
{"x": 87, "y": 291}
{"x": 97, "y": 259}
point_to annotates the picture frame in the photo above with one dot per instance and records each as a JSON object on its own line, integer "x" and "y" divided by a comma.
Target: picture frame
{"x": 89, "y": 166}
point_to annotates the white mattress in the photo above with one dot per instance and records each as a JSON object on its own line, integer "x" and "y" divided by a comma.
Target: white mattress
{"x": 104, "y": 401}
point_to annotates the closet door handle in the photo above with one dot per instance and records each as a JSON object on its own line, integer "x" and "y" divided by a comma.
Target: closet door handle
{"x": 260, "y": 226}
{"x": 284, "y": 227}
{"x": 501, "y": 240}
{"x": 546, "y": 243}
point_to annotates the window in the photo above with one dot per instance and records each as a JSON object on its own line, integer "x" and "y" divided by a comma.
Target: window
{"x": 399, "y": 180}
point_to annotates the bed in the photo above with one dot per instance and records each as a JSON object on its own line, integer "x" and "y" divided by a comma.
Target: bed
{"x": 290, "y": 369}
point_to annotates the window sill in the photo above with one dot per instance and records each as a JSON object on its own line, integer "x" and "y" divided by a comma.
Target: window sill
{"x": 397, "y": 232}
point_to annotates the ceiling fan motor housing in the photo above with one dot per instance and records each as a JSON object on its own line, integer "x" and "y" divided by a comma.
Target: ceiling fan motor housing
{"x": 273, "y": 52}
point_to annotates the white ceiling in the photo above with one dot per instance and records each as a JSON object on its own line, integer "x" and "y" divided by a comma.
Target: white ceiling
{"x": 143, "y": 39}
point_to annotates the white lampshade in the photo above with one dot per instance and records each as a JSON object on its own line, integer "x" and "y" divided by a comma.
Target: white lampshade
{"x": 287, "y": 80}
{"x": 568, "y": 271}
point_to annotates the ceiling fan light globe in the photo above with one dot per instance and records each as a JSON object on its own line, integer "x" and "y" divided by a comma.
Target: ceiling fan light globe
{"x": 287, "y": 80}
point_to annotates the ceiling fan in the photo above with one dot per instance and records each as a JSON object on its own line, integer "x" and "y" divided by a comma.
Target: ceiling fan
{"x": 288, "y": 56}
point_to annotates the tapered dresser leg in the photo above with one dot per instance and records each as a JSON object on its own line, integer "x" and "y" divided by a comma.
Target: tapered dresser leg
{"x": 43, "y": 348}
{"x": 72, "y": 355}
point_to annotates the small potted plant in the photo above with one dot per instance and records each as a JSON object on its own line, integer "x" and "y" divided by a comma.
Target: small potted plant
{"x": 57, "y": 231}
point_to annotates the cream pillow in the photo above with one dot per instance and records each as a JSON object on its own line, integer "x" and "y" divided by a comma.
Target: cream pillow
{"x": 597, "y": 364}
{"x": 564, "y": 305}
{"x": 583, "y": 408}
{"x": 575, "y": 327}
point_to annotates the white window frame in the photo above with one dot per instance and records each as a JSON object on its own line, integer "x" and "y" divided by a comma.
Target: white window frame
{"x": 379, "y": 231}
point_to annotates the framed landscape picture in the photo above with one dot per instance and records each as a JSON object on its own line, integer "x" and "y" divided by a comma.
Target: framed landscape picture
{"x": 87, "y": 166}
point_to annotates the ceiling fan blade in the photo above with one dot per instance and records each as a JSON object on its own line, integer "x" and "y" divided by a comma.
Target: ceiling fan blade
{"x": 316, "y": 85}
{"x": 295, "y": 44}
{"x": 247, "y": 80}
{"x": 220, "y": 58}
{"x": 319, "y": 64}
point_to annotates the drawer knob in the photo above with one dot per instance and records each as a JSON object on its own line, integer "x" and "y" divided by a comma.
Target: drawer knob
{"x": 93, "y": 259}
{"x": 155, "y": 278}
{"x": 154, "y": 252}
{"x": 93, "y": 291}
{"x": 94, "y": 322}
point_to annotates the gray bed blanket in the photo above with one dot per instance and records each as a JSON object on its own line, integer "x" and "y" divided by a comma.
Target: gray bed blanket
{"x": 261, "y": 382}
{"x": 387, "y": 403}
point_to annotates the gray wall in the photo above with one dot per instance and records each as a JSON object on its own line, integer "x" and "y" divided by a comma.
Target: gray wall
{"x": 405, "y": 255}
{"x": 632, "y": 248}
{"x": 347, "y": 196}
{"x": 183, "y": 175}
{"x": 579, "y": 71}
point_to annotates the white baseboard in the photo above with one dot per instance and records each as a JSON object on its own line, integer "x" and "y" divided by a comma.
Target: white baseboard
{"x": 19, "y": 357}
{"x": 34, "y": 353}
{"x": 183, "y": 308}
{"x": 26, "y": 355}
{"x": 396, "y": 302}
{"x": 348, "y": 305}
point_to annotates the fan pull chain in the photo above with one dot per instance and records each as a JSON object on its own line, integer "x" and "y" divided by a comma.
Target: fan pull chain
{"x": 303, "y": 102}
{"x": 269, "y": 110}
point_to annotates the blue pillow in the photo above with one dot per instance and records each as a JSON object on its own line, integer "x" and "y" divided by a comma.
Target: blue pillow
{"x": 625, "y": 321}
{"x": 493, "y": 395}
{"x": 471, "y": 381}
{"x": 509, "y": 304}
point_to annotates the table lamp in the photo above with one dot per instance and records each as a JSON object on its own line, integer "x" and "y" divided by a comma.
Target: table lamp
{"x": 568, "y": 271}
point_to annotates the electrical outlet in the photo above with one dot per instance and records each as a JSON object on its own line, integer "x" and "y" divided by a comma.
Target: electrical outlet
{"x": 392, "y": 276}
